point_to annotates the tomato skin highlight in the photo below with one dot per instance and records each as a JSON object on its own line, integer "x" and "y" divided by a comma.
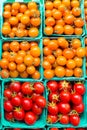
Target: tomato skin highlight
{"x": 30, "y": 118}
{"x": 74, "y": 120}
{"x": 39, "y": 88}
{"x": 8, "y": 106}
{"x": 52, "y": 86}
{"x": 27, "y": 104}
{"x": 19, "y": 114}
{"x": 64, "y": 108}
{"x": 79, "y": 88}
{"x": 76, "y": 99}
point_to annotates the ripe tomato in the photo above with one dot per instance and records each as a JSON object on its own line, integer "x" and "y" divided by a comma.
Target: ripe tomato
{"x": 8, "y": 106}
{"x": 65, "y": 96}
{"x": 7, "y": 93}
{"x": 9, "y": 116}
{"x": 52, "y": 118}
{"x": 64, "y": 85}
{"x": 30, "y": 118}
{"x": 64, "y": 119}
{"x": 38, "y": 87}
{"x": 19, "y": 114}
{"x": 15, "y": 86}
{"x": 37, "y": 110}
{"x": 41, "y": 101}
{"x": 34, "y": 96}
{"x": 52, "y": 86}
{"x": 79, "y": 88}
{"x": 74, "y": 120}
{"x": 64, "y": 108}
{"x": 27, "y": 104}
{"x": 16, "y": 101}
{"x": 26, "y": 88}
{"x": 79, "y": 108}
{"x": 53, "y": 96}
{"x": 53, "y": 108}
{"x": 76, "y": 99}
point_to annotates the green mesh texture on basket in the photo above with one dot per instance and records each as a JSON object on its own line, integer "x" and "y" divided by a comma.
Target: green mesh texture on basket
{"x": 86, "y": 52}
{"x": 40, "y": 123}
{"x": 84, "y": 60}
{"x": 82, "y": 16}
{"x": 6, "y": 128}
{"x": 83, "y": 116}
{"x": 23, "y": 1}
{"x": 41, "y": 56}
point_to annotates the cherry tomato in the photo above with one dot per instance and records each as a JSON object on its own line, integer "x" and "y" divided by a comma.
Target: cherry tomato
{"x": 41, "y": 101}
{"x": 52, "y": 118}
{"x": 9, "y": 116}
{"x": 64, "y": 119}
{"x": 76, "y": 99}
{"x": 64, "y": 85}
{"x": 7, "y": 93}
{"x": 79, "y": 108}
{"x": 15, "y": 86}
{"x": 30, "y": 118}
{"x": 16, "y": 101}
{"x": 37, "y": 110}
{"x": 38, "y": 87}
{"x": 64, "y": 108}
{"x": 26, "y": 88}
{"x": 8, "y": 106}
{"x": 27, "y": 104}
{"x": 52, "y": 86}
{"x": 19, "y": 114}
{"x": 79, "y": 88}
{"x": 65, "y": 96}
{"x": 53, "y": 108}
{"x": 53, "y": 96}
{"x": 34, "y": 96}
{"x": 74, "y": 120}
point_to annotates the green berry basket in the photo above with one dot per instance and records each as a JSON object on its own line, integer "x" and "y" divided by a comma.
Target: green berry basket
{"x": 6, "y": 128}
{"x": 83, "y": 117}
{"x": 40, "y": 123}
{"x": 82, "y": 16}
{"x": 86, "y": 57}
{"x": 25, "y": 2}
{"x": 0, "y": 107}
{"x": 84, "y": 60}
{"x": 41, "y": 57}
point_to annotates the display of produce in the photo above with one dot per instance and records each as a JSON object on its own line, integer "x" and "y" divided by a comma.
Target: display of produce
{"x": 43, "y": 65}
{"x": 65, "y": 102}
{"x": 21, "y": 59}
{"x": 24, "y": 102}
{"x": 63, "y": 17}
{"x": 63, "y": 57}
{"x": 21, "y": 20}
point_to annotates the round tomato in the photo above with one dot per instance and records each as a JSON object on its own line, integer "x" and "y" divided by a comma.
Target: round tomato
{"x": 52, "y": 86}
{"x": 30, "y": 118}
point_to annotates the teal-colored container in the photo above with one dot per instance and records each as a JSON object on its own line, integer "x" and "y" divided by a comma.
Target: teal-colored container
{"x": 41, "y": 56}
{"x": 82, "y": 16}
{"x": 84, "y": 60}
{"x": 0, "y": 108}
{"x": 40, "y": 123}
{"x": 23, "y": 1}
{"x": 64, "y": 128}
{"x": 83, "y": 116}
{"x": 0, "y": 26}
{"x": 6, "y": 128}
